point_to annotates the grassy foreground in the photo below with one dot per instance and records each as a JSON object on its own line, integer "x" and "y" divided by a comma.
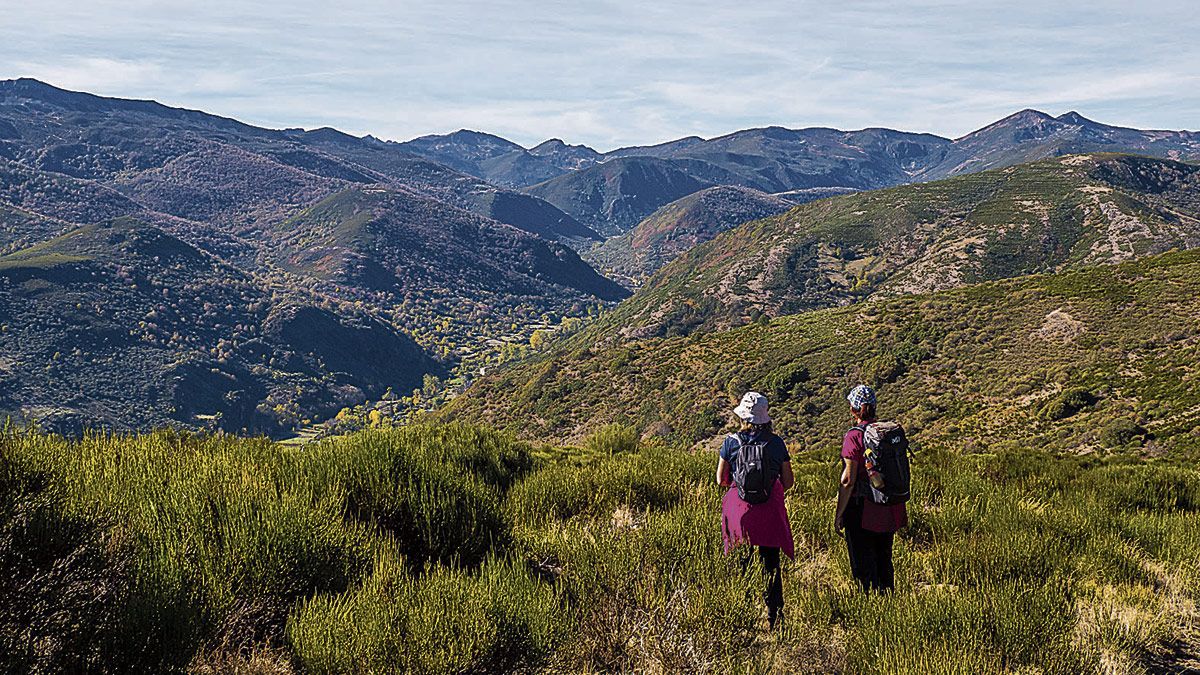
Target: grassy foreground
{"x": 460, "y": 549}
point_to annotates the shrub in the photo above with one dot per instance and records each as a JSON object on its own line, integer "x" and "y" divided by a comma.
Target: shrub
{"x": 655, "y": 478}
{"x": 1120, "y": 432}
{"x": 883, "y": 369}
{"x": 786, "y": 382}
{"x": 1140, "y": 487}
{"x": 1067, "y": 403}
{"x": 444, "y": 621}
{"x": 612, "y": 439}
{"x": 67, "y": 565}
{"x": 449, "y": 549}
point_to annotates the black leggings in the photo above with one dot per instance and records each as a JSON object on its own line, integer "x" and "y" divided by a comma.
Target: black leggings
{"x": 769, "y": 555}
{"x": 870, "y": 552}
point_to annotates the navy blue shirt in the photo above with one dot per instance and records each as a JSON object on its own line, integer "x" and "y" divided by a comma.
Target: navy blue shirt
{"x": 776, "y": 450}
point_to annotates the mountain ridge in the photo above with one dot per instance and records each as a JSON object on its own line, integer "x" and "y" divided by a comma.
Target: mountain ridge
{"x": 1007, "y": 222}
{"x": 470, "y": 270}
{"x": 237, "y": 192}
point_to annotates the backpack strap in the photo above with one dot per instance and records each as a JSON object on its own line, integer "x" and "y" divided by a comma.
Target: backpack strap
{"x": 741, "y": 443}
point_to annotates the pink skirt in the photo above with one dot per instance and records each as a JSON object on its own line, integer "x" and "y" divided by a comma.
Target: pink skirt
{"x": 763, "y": 524}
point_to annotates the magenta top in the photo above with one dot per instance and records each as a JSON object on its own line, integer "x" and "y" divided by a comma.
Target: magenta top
{"x": 876, "y": 517}
{"x": 763, "y": 524}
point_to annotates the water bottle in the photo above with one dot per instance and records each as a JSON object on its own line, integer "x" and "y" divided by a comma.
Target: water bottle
{"x": 873, "y": 473}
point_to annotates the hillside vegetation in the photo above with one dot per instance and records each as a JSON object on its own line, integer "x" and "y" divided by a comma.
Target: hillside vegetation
{"x": 386, "y": 249}
{"x": 457, "y": 549}
{"x": 679, "y": 226}
{"x": 450, "y": 278}
{"x": 1043, "y": 217}
{"x": 1094, "y": 361}
{"x": 121, "y": 325}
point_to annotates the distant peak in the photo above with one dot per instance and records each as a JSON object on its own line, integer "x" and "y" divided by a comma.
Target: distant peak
{"x": 557, "y": 145}
{"x": 1073, "y": 117}
{"x": 464, "y": 136}
{"x": 28, "y": 83}
{"x": 329, "y": 134}
{"x": 1023, "y": 118}
{"x": 1029, "y": 115}
{"x": 549, "y": 146}
{"x": 30, "y": 86}
{"x": 475, "y": 135}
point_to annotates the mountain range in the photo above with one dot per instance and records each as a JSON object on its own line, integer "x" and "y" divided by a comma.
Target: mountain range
{"x": 359, "y": 230}
{"x": 613, "y": 198}
{"x": 169, "y": 266}
{"x": 1045, "y": 216}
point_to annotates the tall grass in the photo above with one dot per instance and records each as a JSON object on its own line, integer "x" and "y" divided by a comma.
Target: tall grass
{"x": 445, "y": 620}
{"x": 458, "y": 549}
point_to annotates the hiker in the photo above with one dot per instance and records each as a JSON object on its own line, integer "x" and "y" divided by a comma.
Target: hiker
{"x": 871, "y": 503}
{"x": 754, "y": 463}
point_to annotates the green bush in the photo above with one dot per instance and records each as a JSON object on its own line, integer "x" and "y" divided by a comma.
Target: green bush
{"x": 1067, "y": 403}
{"x": 63, "y": 564}
{"x": 996, "y": 627}
{"x": 1140, "y": 487}
{"x": 1120, "y": 433}
{"x": 656, "y": 478}
{"x": 883, "y": 369}
{"x": 436, "y": 491}
{"x": 443, "y": 621}
{"x": 786, "y": 382}
{"x": 612, "y": 439}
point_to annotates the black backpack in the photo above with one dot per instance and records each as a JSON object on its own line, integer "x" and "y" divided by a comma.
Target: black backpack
{"x": 754, "y": 470}
{"x": 887, "y": 447}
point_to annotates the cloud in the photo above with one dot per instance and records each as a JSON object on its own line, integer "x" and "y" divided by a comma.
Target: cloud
{"x": 615, "y": 72}
{"x": 96, "y": 73}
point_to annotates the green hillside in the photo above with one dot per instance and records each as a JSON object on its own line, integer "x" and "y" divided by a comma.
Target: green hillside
{"x": 121, "y": 325}
{"x": 1094, "y": 361}
{"x": 1042, "y": 217}
{"x": 450, "y": 278}
{"x": 679, "y": 226}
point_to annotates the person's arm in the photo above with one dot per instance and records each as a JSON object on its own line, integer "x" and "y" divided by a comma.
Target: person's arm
{"x": 723, "y": 472}
{"x": 786, "y": 477}
{"x": 845, "y": 488}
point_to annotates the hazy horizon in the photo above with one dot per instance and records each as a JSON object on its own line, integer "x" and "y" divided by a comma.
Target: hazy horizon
{"x": 612, "y": 74}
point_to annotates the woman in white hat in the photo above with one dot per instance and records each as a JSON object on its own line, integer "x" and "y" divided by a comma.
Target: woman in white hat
{"x": 754, "y": 463}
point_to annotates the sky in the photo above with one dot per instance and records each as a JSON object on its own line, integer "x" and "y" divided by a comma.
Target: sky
{"x": 610, "y": 73}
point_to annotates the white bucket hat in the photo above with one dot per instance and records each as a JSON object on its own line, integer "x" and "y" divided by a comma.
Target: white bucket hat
{"x": 753, "y": 408}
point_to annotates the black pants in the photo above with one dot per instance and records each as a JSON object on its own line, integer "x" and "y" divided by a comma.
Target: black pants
{"x": 769, "y": 555}
{"x": 870, "y": 552}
